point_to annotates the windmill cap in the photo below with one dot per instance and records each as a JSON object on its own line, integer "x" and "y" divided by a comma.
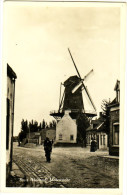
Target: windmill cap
{"x": 72, "y": 79}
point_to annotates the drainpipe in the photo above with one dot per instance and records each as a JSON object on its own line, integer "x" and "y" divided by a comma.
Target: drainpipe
{"x": 11, "y": 153}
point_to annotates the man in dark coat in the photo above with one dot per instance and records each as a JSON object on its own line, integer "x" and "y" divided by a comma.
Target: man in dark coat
{"x": 48, "y": 149}
{"x": 93, "y": 146}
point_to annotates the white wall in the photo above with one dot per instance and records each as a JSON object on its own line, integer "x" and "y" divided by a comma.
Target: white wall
{"x": 10, "y": 93}
{"x": 66, "y": 127}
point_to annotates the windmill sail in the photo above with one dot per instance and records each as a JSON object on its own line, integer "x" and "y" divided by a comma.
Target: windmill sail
{"x": 87, "y": 92}
{"x": 82, "y": 81}
{"x": 76, "y": 87}
{"x": 74, "y": 63}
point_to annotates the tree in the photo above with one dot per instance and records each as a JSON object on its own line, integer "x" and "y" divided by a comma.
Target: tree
{"x": 104, "y": 107}
{"x": 106, "y": 115}
{"x": 46, "y": 125}
{"x": 24, "y": 126}
{"x": 82, "y": 124}
{"x": 53, "y": 123}
{"x": 43, "y": 124}
{"x": 50, "y": 124}
{"x": 39, "y": 127}
{"x": 35, "y": 126}
{"x": 21, "y": 136}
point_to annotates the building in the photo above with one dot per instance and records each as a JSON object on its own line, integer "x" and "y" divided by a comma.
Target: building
{"x": 66, "y": 130}
{"x": 51, "y": 133}
{"x": 11, "y": 77}
{"x": 48, "y": 132}
{"x": 34, "y": 137}
{"x": 97, "y": 131}
{"x": 39, "y": 137}
{"x": 114, "y": 108}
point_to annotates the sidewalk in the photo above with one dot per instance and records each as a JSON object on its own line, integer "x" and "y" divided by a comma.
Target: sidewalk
{"x": 17, "y": 177}
{"x": 110, "y": 157}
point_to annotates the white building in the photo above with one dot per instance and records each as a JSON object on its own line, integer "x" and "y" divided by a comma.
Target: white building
{"x": 66, "y": 129}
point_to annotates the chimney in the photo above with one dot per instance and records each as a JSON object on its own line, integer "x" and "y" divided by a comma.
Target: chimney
{"x": 66, "y": 112}
{"x": 100, "y": 114}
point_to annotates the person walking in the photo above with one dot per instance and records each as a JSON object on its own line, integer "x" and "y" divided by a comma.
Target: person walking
{"x": 48, "y": 149}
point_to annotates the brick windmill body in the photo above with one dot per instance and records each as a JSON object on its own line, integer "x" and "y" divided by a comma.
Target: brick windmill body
{"x": 70, "y": 106}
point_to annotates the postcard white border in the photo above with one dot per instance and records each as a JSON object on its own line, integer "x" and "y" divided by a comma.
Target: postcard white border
{"x": 122, "y": 107}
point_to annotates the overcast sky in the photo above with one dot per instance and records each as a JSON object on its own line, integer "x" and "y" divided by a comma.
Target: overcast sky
{"x": 37, "y": 38}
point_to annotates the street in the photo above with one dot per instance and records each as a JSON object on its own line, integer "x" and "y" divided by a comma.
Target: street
{"x": 70, "y": 167}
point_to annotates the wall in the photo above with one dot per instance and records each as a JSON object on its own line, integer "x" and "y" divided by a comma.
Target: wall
{"x": 114, "y": 117}
{"x": 102, "y": 144}
{"x": 97, "y": 137}
{"x": 51, "y": 134}
{"x": 66, "y": 126}
{"x": 10, "y": 94}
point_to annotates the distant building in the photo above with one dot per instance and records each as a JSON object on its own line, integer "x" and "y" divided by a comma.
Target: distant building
{"x": 97, "y": 131}
{"x": 11, "y": 76}
{"x": 114, "y": 122}
{"x": 66, "y": 129}
{"x": 39, "y": 137}
{"x": 34, "y": 137}
{"x": 51, "y": 133}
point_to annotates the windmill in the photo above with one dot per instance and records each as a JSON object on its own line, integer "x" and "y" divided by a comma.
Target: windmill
{"x": 72, "y": 98}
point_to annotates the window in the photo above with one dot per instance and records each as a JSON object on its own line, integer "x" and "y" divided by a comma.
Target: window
{"x": 60, "y": 136}
{"x": 116, "y": 134}
{"x": 7, "y": 124}
{"x": 71, "y": 137}
{"x": 103, "y": 139}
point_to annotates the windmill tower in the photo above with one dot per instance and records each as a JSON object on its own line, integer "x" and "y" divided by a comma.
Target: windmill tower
{"x": 70, "y": 105}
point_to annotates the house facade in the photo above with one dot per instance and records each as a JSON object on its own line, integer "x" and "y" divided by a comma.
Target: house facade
{"x": 10, "y": 99}
{"x": 97, "y": 131}
{"x": 66, "y": 129}
{"x": 114, "y": 108}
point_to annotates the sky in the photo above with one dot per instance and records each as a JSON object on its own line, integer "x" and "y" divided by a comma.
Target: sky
{"x": 37, "y": 39}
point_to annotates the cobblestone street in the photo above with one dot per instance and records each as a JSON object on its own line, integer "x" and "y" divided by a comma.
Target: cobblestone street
{"x": 69, "y": 167}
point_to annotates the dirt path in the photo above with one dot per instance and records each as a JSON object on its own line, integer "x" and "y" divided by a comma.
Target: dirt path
{"x": 75, "y": 167}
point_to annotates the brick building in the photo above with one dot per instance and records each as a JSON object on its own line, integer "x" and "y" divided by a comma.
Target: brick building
{"x": 114, "y": 108}
{"x": 11, "y": 76}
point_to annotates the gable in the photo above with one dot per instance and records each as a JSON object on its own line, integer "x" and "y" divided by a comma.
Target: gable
{"x": 66, "y": 119}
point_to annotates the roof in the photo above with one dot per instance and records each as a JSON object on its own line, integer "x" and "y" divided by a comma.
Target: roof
{"x": 71, "y": 80}
{"x": 100, "y": 126}
{"x": 97, "y": 128}
{"x": 10, "y": 72}
{"x": 114, "y": 102}
{"x": 96, "y": 125}
{"x": 117, "y": 85}
{"x": 90, "y": 127}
